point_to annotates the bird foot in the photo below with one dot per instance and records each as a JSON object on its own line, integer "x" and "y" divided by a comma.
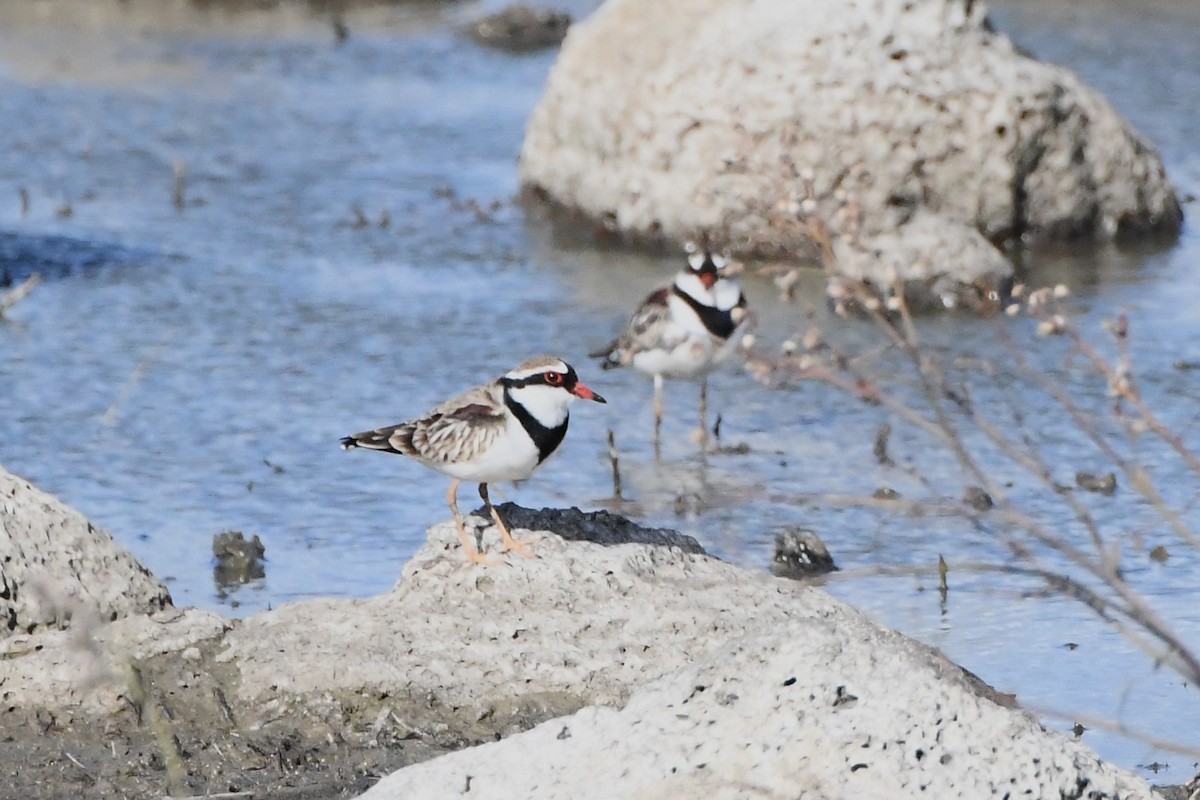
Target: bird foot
{"x": 507, "y": 543}
{"x": 522, "y": 547}
{"x": 476, "y": 557}
{"x": 473, "y": 555}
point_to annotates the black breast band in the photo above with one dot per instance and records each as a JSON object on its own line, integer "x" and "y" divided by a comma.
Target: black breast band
{"x": 546, "y": 440}
{"x": 719, "y": 323}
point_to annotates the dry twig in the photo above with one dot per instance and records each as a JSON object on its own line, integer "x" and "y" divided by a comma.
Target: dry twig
{"x": 18, "y": 293}
{"x": 945, "y": 411}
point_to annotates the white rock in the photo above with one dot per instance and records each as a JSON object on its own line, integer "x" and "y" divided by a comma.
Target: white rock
{"x": 809, "y": 699}
{"x": 86, "y": 670}
{"x": 584, "y": 623}
{"x": 685, "y": 116}
{"x": 799, "y": 690}
{"x": 831, "y": 707}
{"x": 56, "y": 565}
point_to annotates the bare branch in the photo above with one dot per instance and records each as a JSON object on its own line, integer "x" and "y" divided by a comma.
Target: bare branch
{"x": 945, "y": 409}
{"x": 18, "y": 293}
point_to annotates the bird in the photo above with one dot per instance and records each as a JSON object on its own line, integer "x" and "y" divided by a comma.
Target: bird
{"x": 499, "y": 431}
{"x": 684, "y": 330}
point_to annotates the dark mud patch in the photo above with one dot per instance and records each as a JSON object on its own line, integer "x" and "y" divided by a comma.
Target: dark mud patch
{"x": 53, "y": 257}
{"x": 599, "y": 527}
{"x": 520, "y": 28}
{"x": 182, "y": 732}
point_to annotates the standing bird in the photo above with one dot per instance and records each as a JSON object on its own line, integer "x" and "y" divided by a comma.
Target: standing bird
{"x": 500, "y": 431}
{"x": 684, "y": 330}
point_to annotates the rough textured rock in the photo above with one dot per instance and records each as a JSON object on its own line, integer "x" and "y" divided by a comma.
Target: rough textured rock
{"x": 892, "y": 121}
{"x": 826, "y": 707}
{"x": 494, "y": 649}
{"x": 941, "y": 262}
{"x": 54, "y": 564}
{"x": 521, "y": 28}
{"x": 598, "y": 527}
{"x": 794, "y": 684}
{"x": 800, "y": 553}
{"x": 86, "y": 671}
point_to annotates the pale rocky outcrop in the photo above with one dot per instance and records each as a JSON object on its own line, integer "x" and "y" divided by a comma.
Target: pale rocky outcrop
{"x": 890, "y": 121}
{"x": 750, "y": 682}
{"x": 86, "y": 674}
{"x": 831, "y": 707}
{"x": 55, "y": 565}
{"x": 771, "y": 689}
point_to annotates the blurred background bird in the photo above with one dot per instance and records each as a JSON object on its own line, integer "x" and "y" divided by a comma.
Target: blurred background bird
{"x": 684, "y": 330}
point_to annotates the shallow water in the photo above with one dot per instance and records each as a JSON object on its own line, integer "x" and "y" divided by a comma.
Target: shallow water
{"x": 185, "y": 371}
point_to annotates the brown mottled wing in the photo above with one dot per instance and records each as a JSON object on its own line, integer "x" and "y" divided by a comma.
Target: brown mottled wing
{"x": 392, "y": 439}
{"x": 462, "y": 429}
{"x": 459, "y": 430}
{"x": 646, "y": 330}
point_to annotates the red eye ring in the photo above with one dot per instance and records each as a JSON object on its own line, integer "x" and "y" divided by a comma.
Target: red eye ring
{"x": 554, "y": 378}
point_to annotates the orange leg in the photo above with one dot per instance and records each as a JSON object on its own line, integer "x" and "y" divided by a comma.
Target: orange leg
{"x": 508, "y": 543}
{"x": 473, "y": 555}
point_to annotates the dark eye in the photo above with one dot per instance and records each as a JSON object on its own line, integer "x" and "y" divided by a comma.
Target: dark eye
{"x": 554, "y": 378}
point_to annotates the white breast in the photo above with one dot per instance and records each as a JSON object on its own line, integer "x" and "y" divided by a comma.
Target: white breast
{"x": 685, "y": 317}
{"x": 682, "y": 351}
{"x": 513, "y": 457}
{"x": 686, "y": 350}
{"x": 726, "y": 293}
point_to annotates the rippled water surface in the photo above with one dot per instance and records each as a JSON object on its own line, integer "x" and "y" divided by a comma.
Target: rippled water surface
{"x": 345, "y": 254}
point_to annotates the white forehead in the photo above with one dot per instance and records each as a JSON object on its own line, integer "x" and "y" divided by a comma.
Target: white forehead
{"x": 696, "y": 259}
{"x": 538, "y": 366}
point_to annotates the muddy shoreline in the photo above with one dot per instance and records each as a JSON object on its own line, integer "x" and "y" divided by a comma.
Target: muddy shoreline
{"x": 184, "y": 739}
{"x": 305, "y": 754}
